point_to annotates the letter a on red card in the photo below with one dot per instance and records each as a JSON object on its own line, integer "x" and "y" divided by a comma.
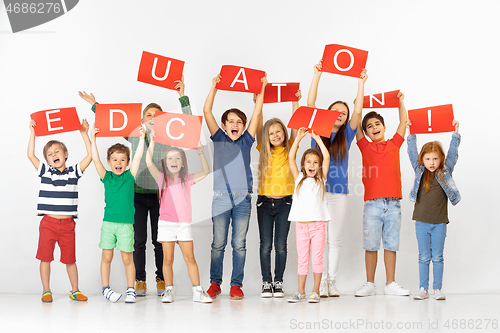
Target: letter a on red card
{"x": 159, "y": 70}
{"x": 235, "y": 78}
{"x": 435, "y": 119}
{"x": 179, "y": 130}
{"x": 319, "y": 120}
{"x": 118, "y": 119}
{"x": 343, "y": 60}
{"x": 281, "y": 92}
{"x": 384, "y": 100}
{"x": 56, "y": 121}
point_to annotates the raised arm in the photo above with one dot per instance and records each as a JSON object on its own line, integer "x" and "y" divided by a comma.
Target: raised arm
{"x": 101, "y": 170}
{"x": 292, "y": 155}
{"x": 88, "y": 146}
{"x": 324, "y": 151}
{"x": 207, "y": 108}
{"x": 403, "y": 116}
{"x": 358, "y": 103}
{"x": 31, "y": 146}
{"x": 183, "y": 99}
{"x": 412, "y": 148}
{"x": 205, "y": 168}
{"x": 359, "y": 134}
{"x": 153, "y": 170}
{"x": 452, "y": 156}
{"x": 295, "y": 106}
{"x": 136, "y": 161}
{"x": 260, "y": 126}
{"x": 313, "y": 90}
{"x": 257, "y": 111}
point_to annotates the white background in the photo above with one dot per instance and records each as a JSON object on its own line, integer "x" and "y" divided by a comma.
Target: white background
{"x": 435, "y": 52}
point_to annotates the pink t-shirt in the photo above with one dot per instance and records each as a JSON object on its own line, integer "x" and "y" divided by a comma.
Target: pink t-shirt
{"x": 175, "y": 204}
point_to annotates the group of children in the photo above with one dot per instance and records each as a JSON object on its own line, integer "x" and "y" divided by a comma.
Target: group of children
{"x": 313, "y": 194}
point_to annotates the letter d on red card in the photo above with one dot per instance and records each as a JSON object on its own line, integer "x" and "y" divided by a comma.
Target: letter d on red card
{"x": 159, "y": 70}
{"x": 118, "y": 119}
{"x": 56, "y": 121}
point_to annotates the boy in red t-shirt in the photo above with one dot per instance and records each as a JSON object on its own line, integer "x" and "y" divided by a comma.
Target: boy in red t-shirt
{"x": 382, "y": 211}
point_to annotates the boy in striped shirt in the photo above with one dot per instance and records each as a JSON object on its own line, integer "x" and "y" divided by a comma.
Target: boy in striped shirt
{"x": 58, "y": 204}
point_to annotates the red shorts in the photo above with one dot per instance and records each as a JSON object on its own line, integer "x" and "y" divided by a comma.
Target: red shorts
{"x": 61, "y": 231}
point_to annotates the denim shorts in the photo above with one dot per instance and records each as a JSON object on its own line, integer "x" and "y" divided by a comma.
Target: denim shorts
{"x": 381, "y": 217}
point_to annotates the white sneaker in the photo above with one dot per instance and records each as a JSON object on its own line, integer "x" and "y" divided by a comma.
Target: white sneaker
{"x": 422, "y": 294}
{"x": 199, "y": 295}
{"x": 438, "y": 295}
{"x": 130, "y": 296}
{"x": 314, "y": 298}
{"x": 168, "y": 295}
{"x": 368, "y": 289}
{"x": 323, "y": 289}
{"x": 395, "y": 289}
{"x": 332, "y": 291}
{"x": 110, "y": 295}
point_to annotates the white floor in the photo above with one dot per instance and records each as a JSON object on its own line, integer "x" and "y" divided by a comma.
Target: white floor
{"x": 462, "y": 313}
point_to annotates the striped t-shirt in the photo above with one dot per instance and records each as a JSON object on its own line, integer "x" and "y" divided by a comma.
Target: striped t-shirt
{"x": 58, "y": 190}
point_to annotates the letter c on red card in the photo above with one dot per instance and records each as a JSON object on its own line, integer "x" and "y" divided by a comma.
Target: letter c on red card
{"x": 52, "y": 120}
{"x": 125, "y": 120}
{"x": 168, "y": 128}
{"x": 336, "y": 63}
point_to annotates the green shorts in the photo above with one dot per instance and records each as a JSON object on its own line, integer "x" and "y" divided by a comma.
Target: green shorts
{"x": 117, "y": 235}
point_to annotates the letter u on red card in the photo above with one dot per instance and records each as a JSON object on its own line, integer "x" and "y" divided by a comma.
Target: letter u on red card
{"x": 159, "y": 70}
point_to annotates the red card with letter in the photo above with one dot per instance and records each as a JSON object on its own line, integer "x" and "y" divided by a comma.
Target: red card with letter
{"x": 235, "y": 78}
{"x": 179, "y": 130}
{"x": 118, "y": 119}
{"x": 321, "y": 121}
{"x": 343, "y": 60}
{"x": 384, "y": 100}
{"x": 281, "y": 92}
{"x": 435, "y": 119}
{"x": 160, "y": 71}
{"x": 56, "y": 121}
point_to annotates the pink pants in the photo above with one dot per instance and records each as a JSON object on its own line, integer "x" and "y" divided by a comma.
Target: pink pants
{"x": 310, "y": 236}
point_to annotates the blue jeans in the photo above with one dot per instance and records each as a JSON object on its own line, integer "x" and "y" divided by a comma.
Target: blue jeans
{"x": 381, "y": 217}
{"x": 273, "y": 214}
{"x": 430, "y": 238}
{"x": 228, "y": 209}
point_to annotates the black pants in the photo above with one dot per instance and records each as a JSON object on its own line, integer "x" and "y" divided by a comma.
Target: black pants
{"x": 144, "y": 204}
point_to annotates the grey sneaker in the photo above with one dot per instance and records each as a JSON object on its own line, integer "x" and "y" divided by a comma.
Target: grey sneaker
{"x": 168, "y": 295}
{"x": 422, "y": 294}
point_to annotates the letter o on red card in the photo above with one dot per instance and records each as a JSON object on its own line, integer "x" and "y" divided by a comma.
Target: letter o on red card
{"x": 56, "y": 121}
{"x": 159, "y": 70}
{"x": 343, "y": 60}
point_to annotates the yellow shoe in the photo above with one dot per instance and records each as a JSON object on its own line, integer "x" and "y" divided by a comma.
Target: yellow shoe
{"x": 77, "y": 296}
{"x": 140, "y": 288}
{"x": 47, "y": 296}
{"x": 160, "y": 286}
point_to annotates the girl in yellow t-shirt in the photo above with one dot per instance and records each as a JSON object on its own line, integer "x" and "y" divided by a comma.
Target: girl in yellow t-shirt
{"x": 276, "y": 186}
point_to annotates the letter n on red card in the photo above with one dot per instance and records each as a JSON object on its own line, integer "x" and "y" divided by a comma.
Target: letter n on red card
{"x": 56, "y": 121}
{"x": 384, "y": 100}
{"x": 435, "y": 119}
{"x": 281, "y": 92}
{"x": 343, "y": 60}
{"x": 118, "y": 119}
{"x": 159, "y": 70}
{"x": 319, "y": 120}
{"x": 235, "y": 78}
{"x": 179, "y": 130}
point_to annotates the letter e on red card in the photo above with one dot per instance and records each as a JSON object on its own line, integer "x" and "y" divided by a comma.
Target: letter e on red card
{"x": 384, "y": 100}
{"x": 159, "y": 70}
{"x": 56, "y": 121}
{"x": 435, "y": 119}
{"x": 235, "y": 78}
{"x": 281, "y": 92}
{"x": 343, "y": 60}
{"x": 319, "y": 120}
{"x": 118, "y": 119}
{"x": 179, "y": 130}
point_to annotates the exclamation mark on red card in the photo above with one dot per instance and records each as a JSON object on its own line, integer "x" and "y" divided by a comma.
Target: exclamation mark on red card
{"x": 429, "y": 118}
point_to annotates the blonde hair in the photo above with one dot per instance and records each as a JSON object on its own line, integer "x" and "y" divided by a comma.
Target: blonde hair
{"x": 432, "y": 147}
{"x": 318, "y": 177}
{"x": 266, "y": 147}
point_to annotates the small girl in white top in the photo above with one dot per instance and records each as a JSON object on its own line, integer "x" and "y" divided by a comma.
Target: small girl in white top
{"x": 309, "y": 211}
